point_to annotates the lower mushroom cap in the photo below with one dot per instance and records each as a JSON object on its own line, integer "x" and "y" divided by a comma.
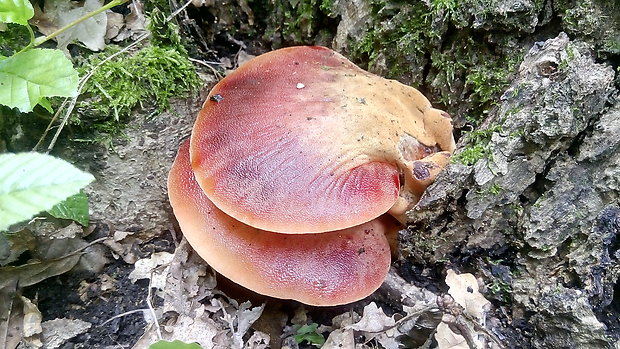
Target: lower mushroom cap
{"x": 323, "y": 269}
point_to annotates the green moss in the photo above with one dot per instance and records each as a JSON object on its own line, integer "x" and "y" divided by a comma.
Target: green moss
{"x": 499, "y": 289}
{"x": 477, "y": 148}
{"x": 470, "y": 155}
{"x": 489, "y": 80}
{"x": 297, "y": 21}
{"x": 570, "y": 55}
{"x": 446, "y": 7}
{"x": 147, "y": 79}
{"x": 164, "y": 32}
{"x": 327, "y": 6}
{"x": 485, "y": 73}
{"x": 495, "y": 189}
{"x": 587, "y": 21}
{"x": 414, "y": 42}
{"x": 404, "y": 30}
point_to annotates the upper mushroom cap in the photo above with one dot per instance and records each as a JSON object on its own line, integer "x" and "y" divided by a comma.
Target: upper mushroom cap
{"x": 318, "y": 269}
{"x": 300, "y": 140}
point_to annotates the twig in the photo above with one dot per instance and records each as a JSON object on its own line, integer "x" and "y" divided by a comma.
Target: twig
{"x": 175, "y": 13}
{"x": 217, "y": 74}
{"x": 152, "y": 310}
{"x": 407, "y": 318}
{"x": 485, "y": 331}
{"x": 49, "y": 125}
{"x": 123, "y": 314}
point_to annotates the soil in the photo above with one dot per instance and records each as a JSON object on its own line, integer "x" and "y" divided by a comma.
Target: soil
{"x": 84, "y": 296}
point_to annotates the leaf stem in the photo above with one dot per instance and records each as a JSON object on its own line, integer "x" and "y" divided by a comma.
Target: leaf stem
{"x": 32, "y": 40}
{"x": 43, "y": 39}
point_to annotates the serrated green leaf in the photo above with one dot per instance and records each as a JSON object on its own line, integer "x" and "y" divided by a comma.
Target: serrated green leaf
{"x": 29, "y": 76}
{"x": 16, "y": 11}
{"x": 74, "y": 207}
{"x": 33, "y": 182}
{"x": 177, "y": 344}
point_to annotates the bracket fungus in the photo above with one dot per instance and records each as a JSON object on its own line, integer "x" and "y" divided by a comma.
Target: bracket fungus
{"x": 298, "y": 165}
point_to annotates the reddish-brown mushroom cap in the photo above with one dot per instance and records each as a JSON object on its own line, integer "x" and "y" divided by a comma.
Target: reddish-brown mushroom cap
{"x": 300, "y": 140}
{"x": 332, "y": 268}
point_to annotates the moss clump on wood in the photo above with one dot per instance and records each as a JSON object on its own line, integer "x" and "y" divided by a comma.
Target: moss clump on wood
{"x": 477, "y": 148}
{"x": 147, "y": 79}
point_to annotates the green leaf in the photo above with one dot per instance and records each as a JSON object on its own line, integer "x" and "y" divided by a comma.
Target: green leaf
{"x": 75, "y": 207}
{"x": 45, "y": 103}
{"x": 27, "y": 77}
{"x": 33, "y": 182}
{"x": 177, "y": 344}
{"x": 308, "y": 333}
{"x": 16, "y": 11}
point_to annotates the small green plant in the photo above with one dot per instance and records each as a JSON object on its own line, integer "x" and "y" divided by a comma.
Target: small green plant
{"x": 308, "y": 333}
{"x": 492, "y": 190}
{"x": 75, "y": 208}
{"x": 470, "y": 155}
{"x": 177, "y": 344}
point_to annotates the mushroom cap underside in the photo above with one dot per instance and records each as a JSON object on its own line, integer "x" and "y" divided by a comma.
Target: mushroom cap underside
{"x": 300, "y": 140}
{"x": 331, "y": 268}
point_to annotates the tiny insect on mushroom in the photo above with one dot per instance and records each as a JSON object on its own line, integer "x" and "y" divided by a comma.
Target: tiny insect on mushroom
{"x": 306, "y": 150}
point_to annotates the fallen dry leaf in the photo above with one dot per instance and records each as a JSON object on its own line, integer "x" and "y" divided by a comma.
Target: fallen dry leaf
{"x": 465, "y": 308}
{"x": 258, "y": 340}
{"x": 466, "y": 292}
{"x": 12, "y": 245}
{"x": 59, "y": 13}
{"x": 32, "y": 318}
{"x": 195, "y": 327}
{"x": 239, "y": 321}
{"x": 373, "y": 320}
{"x": 116, "y": 22}
{"x": 188, "y": 281}
{"x": 446, "y": 339}
{"x": 154, "y": 268}
{"x": 374, "y": 324}
{"x": 124, "y": 245}
{"x": 56, "y": 332}
{"x": 135, "y": 23}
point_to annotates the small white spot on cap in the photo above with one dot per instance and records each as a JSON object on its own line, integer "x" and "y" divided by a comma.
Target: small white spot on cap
{"x": 300, "y": 85}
